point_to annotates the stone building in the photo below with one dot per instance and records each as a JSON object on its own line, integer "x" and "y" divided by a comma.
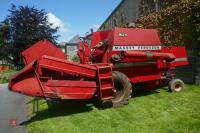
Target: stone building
{"x": 70, "y": 48}
{"x": 130, "y": 10}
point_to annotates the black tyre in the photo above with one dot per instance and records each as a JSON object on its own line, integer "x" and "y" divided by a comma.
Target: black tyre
{"x": 176, "y": 85}
{"x": 123, "y": 90}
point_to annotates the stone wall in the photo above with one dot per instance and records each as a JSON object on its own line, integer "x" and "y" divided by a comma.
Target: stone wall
{"x": 190, "y": 73}
{"x": 197, "y": 73}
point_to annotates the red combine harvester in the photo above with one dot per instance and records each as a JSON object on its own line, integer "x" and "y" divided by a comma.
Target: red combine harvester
{"x": 112, "y": 62}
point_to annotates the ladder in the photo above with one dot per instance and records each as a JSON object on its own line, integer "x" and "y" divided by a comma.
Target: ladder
{"x": 106, "y": 84}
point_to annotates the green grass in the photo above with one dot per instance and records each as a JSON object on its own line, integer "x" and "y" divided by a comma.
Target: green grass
{"x": 6, "y": 75}
{"x": 148, "y": 112}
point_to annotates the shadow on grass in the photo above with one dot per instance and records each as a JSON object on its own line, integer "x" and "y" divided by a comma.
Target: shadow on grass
{"x": 76, "y": 107}
{"x": 62, "y": 109}
{"x": 139, "y": 91}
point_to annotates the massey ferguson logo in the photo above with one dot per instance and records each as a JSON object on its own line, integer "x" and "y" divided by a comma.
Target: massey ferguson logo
{"x": 123, "y": 34}
{"x": 131, "y": 47}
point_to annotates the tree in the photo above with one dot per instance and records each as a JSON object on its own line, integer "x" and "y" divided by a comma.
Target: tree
{"x": 4, "y": 38}
{"x": 27, "y": 26}
{"x": 178, "y": 24}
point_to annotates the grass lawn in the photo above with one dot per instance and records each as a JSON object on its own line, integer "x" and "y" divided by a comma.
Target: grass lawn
{"x": 6, "y": 75}
{"x": 148, "y": 111}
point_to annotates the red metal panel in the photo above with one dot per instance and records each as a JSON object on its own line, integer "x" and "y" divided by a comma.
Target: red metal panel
{"x": 26, "y": 82}
{"x": 138, "y": 37}
{"x": 68, "y": 89}
{"x": 43, "y": 47}
{"x": 66, "y": 67}
{"x": 71, "y": 83}
{"x": 99, "y": 36}
{"x": 69, "y": 92}
{"x": 144, "y": 78}
{"x": 180, "y": 54}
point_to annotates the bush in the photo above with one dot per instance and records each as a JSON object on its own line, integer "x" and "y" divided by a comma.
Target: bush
{"x": 178, "y": 24}
{"x": 6, "y": 75}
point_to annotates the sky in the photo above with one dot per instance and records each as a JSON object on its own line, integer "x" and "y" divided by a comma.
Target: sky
{"x": 72, "y": 16}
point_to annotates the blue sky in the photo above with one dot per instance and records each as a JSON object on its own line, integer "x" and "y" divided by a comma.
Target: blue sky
{"x": 73, "y": 16}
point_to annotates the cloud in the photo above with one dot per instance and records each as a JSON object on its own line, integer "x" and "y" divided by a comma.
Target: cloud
{"x": 95, "y": 27}
{"x": 57, "y": 23}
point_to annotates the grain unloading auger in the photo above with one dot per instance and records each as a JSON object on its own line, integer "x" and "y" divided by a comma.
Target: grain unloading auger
{"x": 112, "y": 62}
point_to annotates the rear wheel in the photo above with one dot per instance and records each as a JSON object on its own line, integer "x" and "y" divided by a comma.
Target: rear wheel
{"x": 176, "y": 85}
{"x": 122, "y": 91}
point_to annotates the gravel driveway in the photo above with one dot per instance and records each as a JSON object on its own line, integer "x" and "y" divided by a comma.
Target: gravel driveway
{"x": 13, "y": 111}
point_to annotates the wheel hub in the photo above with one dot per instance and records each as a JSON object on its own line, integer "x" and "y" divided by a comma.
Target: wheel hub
{"x": 118, "y": 92}
{"x": 178, "y": 87}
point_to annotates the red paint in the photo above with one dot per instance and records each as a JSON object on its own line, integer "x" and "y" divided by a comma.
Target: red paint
{"x": 43, "y": 47}
{"x": 13, "y": 122}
